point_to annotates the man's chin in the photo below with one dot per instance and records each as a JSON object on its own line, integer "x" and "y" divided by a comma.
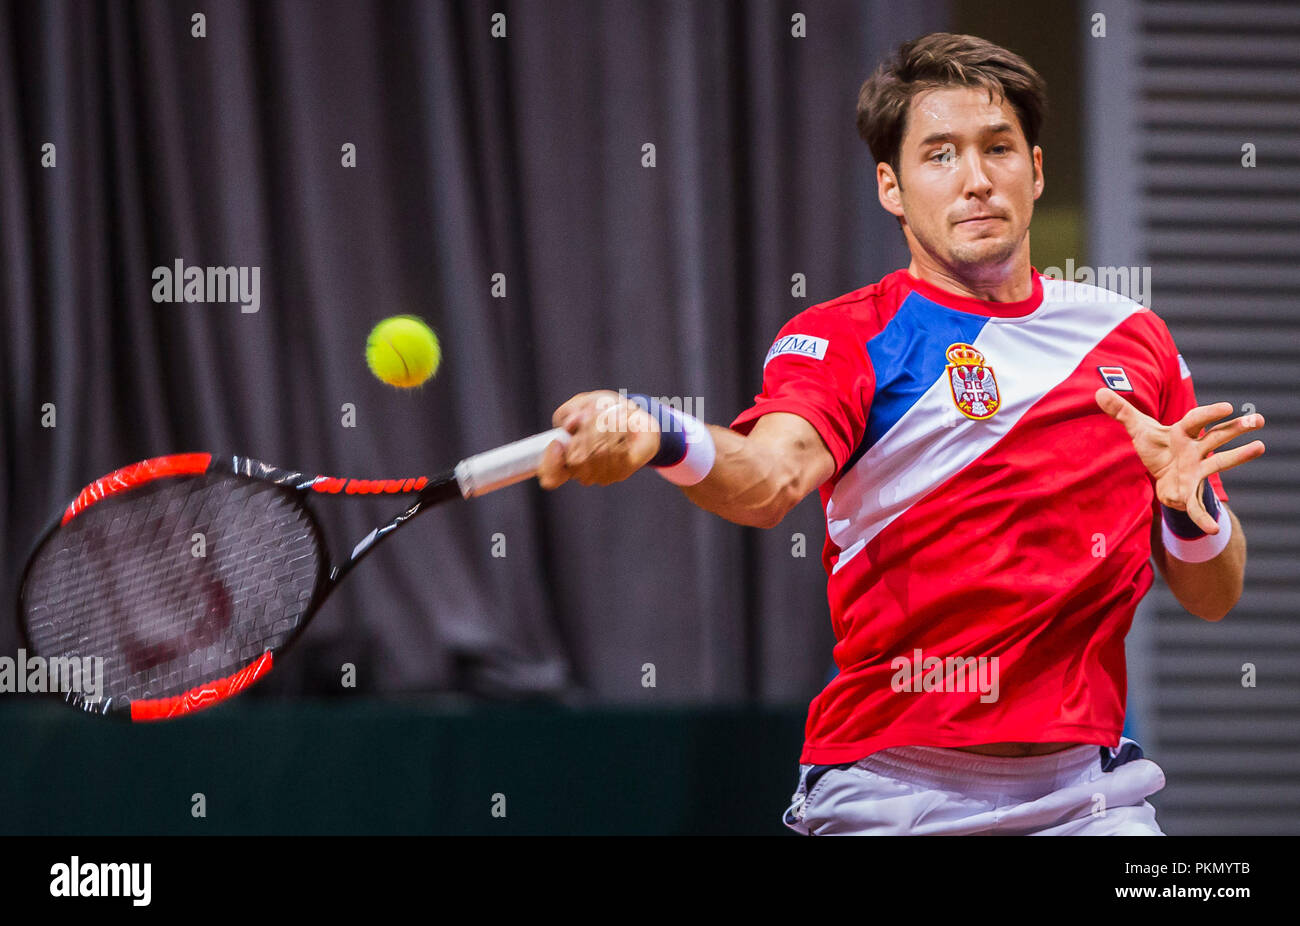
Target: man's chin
{"x": 987, "y": 252}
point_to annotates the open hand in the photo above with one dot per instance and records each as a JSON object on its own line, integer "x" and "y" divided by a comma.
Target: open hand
{"x": 1178, "y": 455}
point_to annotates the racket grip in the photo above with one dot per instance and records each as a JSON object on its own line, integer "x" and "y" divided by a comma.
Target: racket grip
{"x": 493, "y": 469}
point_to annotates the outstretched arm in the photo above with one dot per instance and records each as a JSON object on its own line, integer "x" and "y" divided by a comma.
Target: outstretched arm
{"x": 755, "y": 479}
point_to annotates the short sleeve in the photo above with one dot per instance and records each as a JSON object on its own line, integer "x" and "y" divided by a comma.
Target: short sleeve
{"x": 818, "y": 369}
{"x": 1178, "y": 394}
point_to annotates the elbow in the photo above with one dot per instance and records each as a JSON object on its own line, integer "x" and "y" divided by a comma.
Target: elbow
{"x": 777, "y": 483}
{"x": 770, "y": 518}
{"x": 1215, "y": 611}
{"x": 784, "y": 496}
{"x": 765, "y": 517}
{"x": 1219, "y": 615}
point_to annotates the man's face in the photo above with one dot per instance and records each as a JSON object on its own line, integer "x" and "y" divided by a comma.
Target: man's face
{"x": 966, "y": 183}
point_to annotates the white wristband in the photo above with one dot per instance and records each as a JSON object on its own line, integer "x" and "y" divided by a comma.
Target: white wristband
{"x": 700, "y": 454}
{"x": 1202, "y": 549}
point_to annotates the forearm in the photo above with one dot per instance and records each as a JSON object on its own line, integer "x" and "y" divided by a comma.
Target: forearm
{"x": 752, "y": 479}
{"x": 749, "y": 484}
{"x": 1211, "y": 589}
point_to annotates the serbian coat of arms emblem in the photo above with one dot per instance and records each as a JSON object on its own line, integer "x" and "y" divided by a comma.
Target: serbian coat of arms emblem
{"x": 974, "y": 389}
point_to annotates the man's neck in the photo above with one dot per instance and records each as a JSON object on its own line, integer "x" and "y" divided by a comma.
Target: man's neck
{"x": 1009, "y": 282}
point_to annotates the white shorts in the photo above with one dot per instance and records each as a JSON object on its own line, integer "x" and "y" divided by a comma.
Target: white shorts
{"x": 929, "y": 791}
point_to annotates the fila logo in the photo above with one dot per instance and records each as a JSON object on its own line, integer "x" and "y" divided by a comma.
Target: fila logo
{"x": 1115, "y": 378}
{"x": 804, "y": 345}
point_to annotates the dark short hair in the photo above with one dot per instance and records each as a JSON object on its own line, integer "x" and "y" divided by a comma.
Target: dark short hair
{"x": 943, "y": 59}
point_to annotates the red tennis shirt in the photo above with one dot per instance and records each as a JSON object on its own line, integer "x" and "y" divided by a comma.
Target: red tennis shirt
{"x": 988, "y": 526}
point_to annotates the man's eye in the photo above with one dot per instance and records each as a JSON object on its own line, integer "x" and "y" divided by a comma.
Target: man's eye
{"x": 1001, "y": 149}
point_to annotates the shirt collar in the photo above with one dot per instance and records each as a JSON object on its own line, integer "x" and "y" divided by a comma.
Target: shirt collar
{"x": 980, "y": 306}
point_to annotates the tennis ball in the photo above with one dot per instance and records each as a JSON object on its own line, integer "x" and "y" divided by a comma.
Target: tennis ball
{"x": 403, "y": 351}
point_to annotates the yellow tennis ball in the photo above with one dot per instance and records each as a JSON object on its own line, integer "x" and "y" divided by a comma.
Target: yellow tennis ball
{"x": 403, "y": 351}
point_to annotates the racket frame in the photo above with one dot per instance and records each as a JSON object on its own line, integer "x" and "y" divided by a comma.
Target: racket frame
{"x": 296, "y": 486}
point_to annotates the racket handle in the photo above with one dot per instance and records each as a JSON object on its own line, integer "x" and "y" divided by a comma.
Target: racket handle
{"x": 491, "y": 470}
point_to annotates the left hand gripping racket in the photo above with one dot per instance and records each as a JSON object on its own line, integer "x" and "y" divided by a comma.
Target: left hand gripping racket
{"x": 187, "y": 574}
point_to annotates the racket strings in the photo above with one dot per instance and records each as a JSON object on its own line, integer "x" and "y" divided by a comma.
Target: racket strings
{"x": 176, "y": 583}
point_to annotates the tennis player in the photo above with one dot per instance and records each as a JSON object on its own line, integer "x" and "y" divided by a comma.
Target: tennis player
{"x": 1000, "y": 455}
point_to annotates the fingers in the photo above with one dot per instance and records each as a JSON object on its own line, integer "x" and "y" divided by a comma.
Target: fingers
{"x": 552, "y": 473}
{"x": 1221, "y": 434}
{"x": 1230, "y": 458}
{"x": 567, "y": 413}
{"x": 1200, "y": 517}
{"x": 584, "y": 407}
{"x": 612, "y": 438}
{"x": 1202, "y": 415}
{"x": 601, "y": 435}
{"x": 1115, "y": 405}
{"x": 1110, "y": 401}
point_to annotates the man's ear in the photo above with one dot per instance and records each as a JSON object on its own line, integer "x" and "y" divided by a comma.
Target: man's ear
{"x": 889, "y": 190}
{"x": 1039, "y": 179}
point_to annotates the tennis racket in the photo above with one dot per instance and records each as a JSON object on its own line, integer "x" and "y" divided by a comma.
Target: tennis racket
{"x": 188, "y": 574}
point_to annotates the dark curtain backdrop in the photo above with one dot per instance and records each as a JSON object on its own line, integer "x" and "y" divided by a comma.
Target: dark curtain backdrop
{"x": 474, "y": 156}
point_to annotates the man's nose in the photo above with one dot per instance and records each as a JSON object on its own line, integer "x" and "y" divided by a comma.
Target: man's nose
{"x": 975, "y": 178}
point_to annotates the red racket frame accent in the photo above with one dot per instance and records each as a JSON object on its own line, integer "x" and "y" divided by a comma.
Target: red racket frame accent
{"x": 204, "y": 696}
{"x": 178, "y": 464}
{"x": 189, "y": 464}
{"x": 333, "y": 485}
